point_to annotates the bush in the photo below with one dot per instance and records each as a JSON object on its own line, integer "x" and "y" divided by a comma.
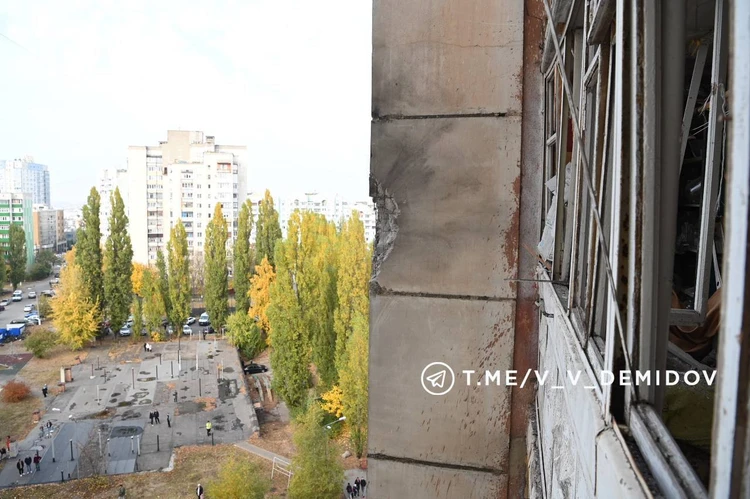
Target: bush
{"x": 244, "y": 333}
{"x": 40, "y": 342}
{"x": 239, "y": 479}
{"x": 15, "y": 391}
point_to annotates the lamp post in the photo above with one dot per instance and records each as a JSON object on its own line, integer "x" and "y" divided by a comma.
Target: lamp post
{"x": 328, "y": 427}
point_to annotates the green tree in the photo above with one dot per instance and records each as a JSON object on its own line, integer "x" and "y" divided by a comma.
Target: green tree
{"x": 290, "y": 356}
{"x": 245, "y": 334}
{"x": 153, "y": 304}
{"x": 217, "y": 275}
{"x": 243, "y": 258}
{"x": 17, "y": 255}
{"x": 161, "y": 267}
{"x": 179, "y": 275}
{"x": 45, "y": 309}
{"x": 354, "y": 382}
{"x": 40, "y": 342}
{"x": 118, "y": 284}
{"x": 239, "y": 479}
{"x": 317, "y": 470}
{"x": 268, "y": 230}
{"x": 137, "y": 311}
{"x": 3, "y": 271}
{"x": 89, "y": 251}
{"x": 42, "y": 266}
{"x": 354, "y": 268}
{"x": 74, "y": 315}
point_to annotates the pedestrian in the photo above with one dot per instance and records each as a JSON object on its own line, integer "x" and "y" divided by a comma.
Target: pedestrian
{"x": 363, "y": 485}
{"x": 7, "y": 444}
{"x": 122, "y": 491}
{"x": 151, "y": 417}
{"x": 28, "y": 464}
{"x": 37, "y": 460}
{"x": 199, "y": 491}
{"x": 208, "y": 428}
{"x": 19, "y": 467}
{"x": 169, "y": 423}
{"x": 349, "y": 491}
{"x": 145, "y": 347}
{"x": 156, "y": 417}
{"x": 44, "y": 390}
{"x": 356, "y": 484}
{"x": 2, "y": 453}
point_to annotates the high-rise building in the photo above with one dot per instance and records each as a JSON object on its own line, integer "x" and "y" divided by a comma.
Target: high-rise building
{"x": 25, "y": 176}
{"x": 109, "y": 180}
{"x": 15, "y": 208}
{"x": 49, "y": 229}
{"x": 182, "y": 178}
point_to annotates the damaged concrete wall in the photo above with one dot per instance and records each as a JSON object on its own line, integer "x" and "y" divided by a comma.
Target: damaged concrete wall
{"x": 445, "y": 174}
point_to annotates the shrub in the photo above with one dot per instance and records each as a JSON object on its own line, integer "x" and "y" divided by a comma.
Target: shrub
{"x": 40, "y": 342}
{"x": 240, "y": 479}
{"x": 15, "y": 391}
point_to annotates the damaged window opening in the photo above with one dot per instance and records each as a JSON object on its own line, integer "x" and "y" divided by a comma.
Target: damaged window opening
{"x": 611, "y": 118}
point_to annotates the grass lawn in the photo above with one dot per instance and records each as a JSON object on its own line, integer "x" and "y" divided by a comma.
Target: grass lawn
{"x": 193, "y": 465}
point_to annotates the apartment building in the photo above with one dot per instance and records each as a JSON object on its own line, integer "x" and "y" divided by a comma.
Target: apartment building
{"x": 24, "y": 175}
{"x": 15, "y": 208}
{"x": 183, "y": 177}
{"x": 49, "y": 229}
{"x": 109, "y": 180}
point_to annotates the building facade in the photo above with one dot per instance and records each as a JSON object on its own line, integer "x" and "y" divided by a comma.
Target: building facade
{"x": 49, "y": 229}
{"x": 111, "y": 179}
{"x": 183, "y": 178}
{"x": 24, "y": 175}
{"x": 562, "y": 192}
{"x": 15, "y": 208}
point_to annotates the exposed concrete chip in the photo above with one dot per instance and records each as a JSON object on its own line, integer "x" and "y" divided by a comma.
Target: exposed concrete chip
{"x": 387, "y": 228}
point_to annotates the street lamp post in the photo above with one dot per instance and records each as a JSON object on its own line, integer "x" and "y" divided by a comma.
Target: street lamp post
{"x": 328, "y": 427}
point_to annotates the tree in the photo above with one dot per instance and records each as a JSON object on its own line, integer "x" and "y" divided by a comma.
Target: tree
{"x": 217, "y": 274}
{"x": 45, "y": 309}
{"x": 137, "y": 311}
{"x": 268, "y": 230}
{"x": 317, "y": 470}
{"x": 153, "y": 304}
{"x": 179, "y": 275}
{"x": 40, "y": 342}
{"x": 17, "y": 255}
{"x": 161, "y": 267}
{"x": 239, "y": 479}
{"x": 354, "y": 382}
{"x": 75, "y": 316}
{"x": 243, "y": 258}
{"x": 89, "y": 251}
{"x": 260, "y": 288}
{"x": 137, "y": 277}
{"x": 354, "y": 268}
{"x": 3, "y": 271}
{"x": 197, "y": 274}
{"x": 118, "y": 284}
{"x": 290, "y": 354}
{"x": 42, "y": 266}
{"x": 244, "y": 334}
{"x": 333, "y": 401}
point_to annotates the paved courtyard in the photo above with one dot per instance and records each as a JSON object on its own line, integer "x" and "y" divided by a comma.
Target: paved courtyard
{"x": 100, "y": 422}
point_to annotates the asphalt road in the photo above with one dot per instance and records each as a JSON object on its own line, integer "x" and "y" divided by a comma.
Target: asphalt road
{"x": 14, "y": 309}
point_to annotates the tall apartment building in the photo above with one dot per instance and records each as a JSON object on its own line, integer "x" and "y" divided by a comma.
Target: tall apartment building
{"x": 49, "y": 229}
{"x": 109, "y": 180}
{"x": 182, "y": 178}
{"x": 335, "y": 208}
{"x": 24, "y": 175}
{"x": 15, "y": 208}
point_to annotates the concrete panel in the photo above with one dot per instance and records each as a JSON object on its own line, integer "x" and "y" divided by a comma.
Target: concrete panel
{"x": 456, "y": 184}
{"x": 447, "y": 57}
{"x": 468, "y": 426}
{"x": 390, "y": 479}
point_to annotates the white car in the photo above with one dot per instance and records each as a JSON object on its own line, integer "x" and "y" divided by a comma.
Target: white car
{"x": 187, "y": 330}
{"x": 190, "y": 321}
{"x": 204, "y": 320}
{"x": 28, "y": 308}
{"x": 17, "y": 295}
{"x": 4, "y": 303}
{"x": 125, "y": 331}
{"x": 32, "y": 294}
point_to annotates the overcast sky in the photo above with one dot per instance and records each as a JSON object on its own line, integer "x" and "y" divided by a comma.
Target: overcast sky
{"x": 82, "y": 80}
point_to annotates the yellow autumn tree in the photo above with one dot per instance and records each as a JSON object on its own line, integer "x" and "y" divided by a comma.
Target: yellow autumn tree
{"x": 333, "y": 401}
{"x": 137, "y": 277}
{"x": 260, "y": 287}
{"x": 74, "y": 315}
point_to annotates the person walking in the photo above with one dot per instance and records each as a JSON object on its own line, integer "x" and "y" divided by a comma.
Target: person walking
{"x": 363, "y": 485}
{"x": 169, "y": 423}
{"x": 122, "y": 492}
{"x": 44, "y": 390}
{"x": 356, "y": 484}
{"x": 145, "y": 347}
{"x": 28, "y": 464}
{"x": 199, "y": 491}
{"x": 19, "y": 467}
{"x": 156, "y": 417}
{"x": 2, "y": 453}
{"x": 151, "y": 417}
{"x": 349, "y": 493}
{"x": 7, "y": 444}
{"x": 37, "y": 460}
{"x": 208, "y": 428}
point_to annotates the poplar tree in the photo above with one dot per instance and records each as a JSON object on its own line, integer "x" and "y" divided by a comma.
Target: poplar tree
{"x": 268, "y": 230}
{"x": 137, "y": 316}
{"x": 74, "y": 315}
{"x": 260, "y": 289}
{"x": 217, "y": 275}
{"x": 179, "y": 276}
{"x": 153, "y": 304}
{"x": 161, "y": 267}
{"x": 3, "y": 270}
{"x": 17, "y": 254}
{"x": 243, "y": 259}
{"x": 118, "y": 283}
{"x": 354, "y": 382}
{"x": 89, "y": 251}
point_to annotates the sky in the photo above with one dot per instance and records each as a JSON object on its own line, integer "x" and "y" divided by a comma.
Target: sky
{"x": 82, "y": 80}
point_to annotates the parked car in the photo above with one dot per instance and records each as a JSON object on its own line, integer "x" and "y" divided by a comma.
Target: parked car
{"x": 4, "y": 303}
{"x": 190, "y": 321}
{"x": 204, "y": 320}
{"x": 32, "y": 295}
{"x": 2, "y": 307}
{"x": 187, "y": 330}
{"x": 253, "y": 368}
{"x": 208, "y": 330}
{"x": 29, "y": 308}
{"x": 125, "y": 331}
{"x": 170, "y": 330}
{"x": 164, "y": 322}
{"x": 33, "y": 320}
{"x": 130, "y": 322}
{"x": 17, "y": 295}
{"x": 48, "y": 292}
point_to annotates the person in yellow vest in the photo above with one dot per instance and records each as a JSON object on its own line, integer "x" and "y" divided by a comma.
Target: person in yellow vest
{"x": 208, "y": 428}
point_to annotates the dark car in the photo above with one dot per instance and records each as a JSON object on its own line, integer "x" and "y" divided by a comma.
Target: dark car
{"x": 208, "y": 330}
{"x": 253, "y": 368}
